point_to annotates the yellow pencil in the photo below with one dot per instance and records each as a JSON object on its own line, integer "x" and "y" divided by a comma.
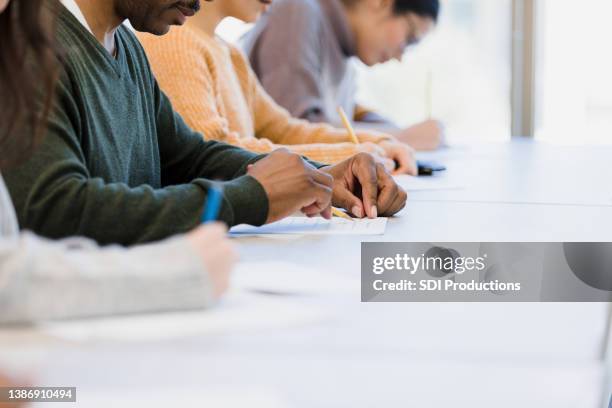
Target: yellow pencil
{"x": 347, "y": 125}
{"x": 336, "y": 212}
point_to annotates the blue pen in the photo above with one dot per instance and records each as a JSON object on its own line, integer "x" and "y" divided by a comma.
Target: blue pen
{"x": 213, "y": 204}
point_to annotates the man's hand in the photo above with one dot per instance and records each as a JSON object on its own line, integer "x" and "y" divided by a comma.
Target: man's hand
{"x": 379, "y": 153}
{"x": 403, "y": 155}
{"x": 365, "y": 188}
{"x": 426, "y": 135}
{"x": 292, "y": 184}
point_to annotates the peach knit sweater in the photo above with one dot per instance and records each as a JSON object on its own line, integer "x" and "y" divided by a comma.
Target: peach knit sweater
{"x": 211, "y": 84}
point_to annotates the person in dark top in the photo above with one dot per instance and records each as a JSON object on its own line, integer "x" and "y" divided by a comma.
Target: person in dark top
{"x": 119, "y": 165}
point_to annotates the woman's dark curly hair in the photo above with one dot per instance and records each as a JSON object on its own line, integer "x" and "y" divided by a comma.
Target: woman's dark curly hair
{"x": 28, "y": 72}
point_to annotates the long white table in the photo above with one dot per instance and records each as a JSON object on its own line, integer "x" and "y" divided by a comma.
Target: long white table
{"x": 385, "y": 355}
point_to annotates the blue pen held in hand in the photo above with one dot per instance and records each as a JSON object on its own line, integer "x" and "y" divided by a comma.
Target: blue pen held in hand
{"x": 213, "y": 204}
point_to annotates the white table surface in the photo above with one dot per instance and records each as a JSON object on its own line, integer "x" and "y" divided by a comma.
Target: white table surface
{"x": 386, "y": 355}
{"x": 526, "y": 172}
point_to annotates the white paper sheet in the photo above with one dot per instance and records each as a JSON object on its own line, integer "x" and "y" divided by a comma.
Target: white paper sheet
{"x": 414, "y": 184}
{"x": 316, "y": 226}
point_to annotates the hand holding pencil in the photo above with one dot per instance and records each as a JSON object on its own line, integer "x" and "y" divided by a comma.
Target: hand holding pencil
{"x": 397, "y": 157}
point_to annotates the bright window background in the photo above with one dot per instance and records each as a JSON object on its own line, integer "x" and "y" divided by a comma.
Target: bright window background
{"x": 469, "y": 60}
{"x": 574, "y": 97}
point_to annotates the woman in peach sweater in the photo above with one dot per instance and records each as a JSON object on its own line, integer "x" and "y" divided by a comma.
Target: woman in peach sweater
{"x": 211, "y": 84}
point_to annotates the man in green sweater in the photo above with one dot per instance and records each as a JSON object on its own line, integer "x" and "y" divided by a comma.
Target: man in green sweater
{"x": 120, "y": 166}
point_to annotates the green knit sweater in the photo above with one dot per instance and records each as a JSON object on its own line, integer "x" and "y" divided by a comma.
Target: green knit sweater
{"x": 118, "y": 164}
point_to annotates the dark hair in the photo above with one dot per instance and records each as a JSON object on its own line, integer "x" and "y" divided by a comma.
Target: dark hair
{"x": 28, "y": 70}
{"x": 423, "y": 8}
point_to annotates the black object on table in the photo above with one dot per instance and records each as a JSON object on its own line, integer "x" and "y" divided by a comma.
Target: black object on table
{"x": 427, "y": 168}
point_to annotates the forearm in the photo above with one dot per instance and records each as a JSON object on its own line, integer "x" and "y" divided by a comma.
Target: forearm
{"x": 43, "y": 280}
{"x": 116, "y": 213}
{"x": 199, "y": 157}
{"x": 325, "y": 153}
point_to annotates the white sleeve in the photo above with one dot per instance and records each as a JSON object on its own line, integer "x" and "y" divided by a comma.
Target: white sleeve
{"x": 46, "y": 280}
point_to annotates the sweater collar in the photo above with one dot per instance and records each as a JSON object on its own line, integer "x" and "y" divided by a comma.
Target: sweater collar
{"x": 336, "y": 14}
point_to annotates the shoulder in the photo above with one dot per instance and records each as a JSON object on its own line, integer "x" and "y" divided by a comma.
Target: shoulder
{"x": 176, "y": 38}
{"x": 236, "y": 53}
{"x": 241, "y": 64}
{"x": 296, "y": 17}
{"x": 306, "y": 9}
{"x": 183, "y": 51}
{"x": 296, "y": 22}
{"x": 180, "y": 45}
{"x": 130, "y": 42}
